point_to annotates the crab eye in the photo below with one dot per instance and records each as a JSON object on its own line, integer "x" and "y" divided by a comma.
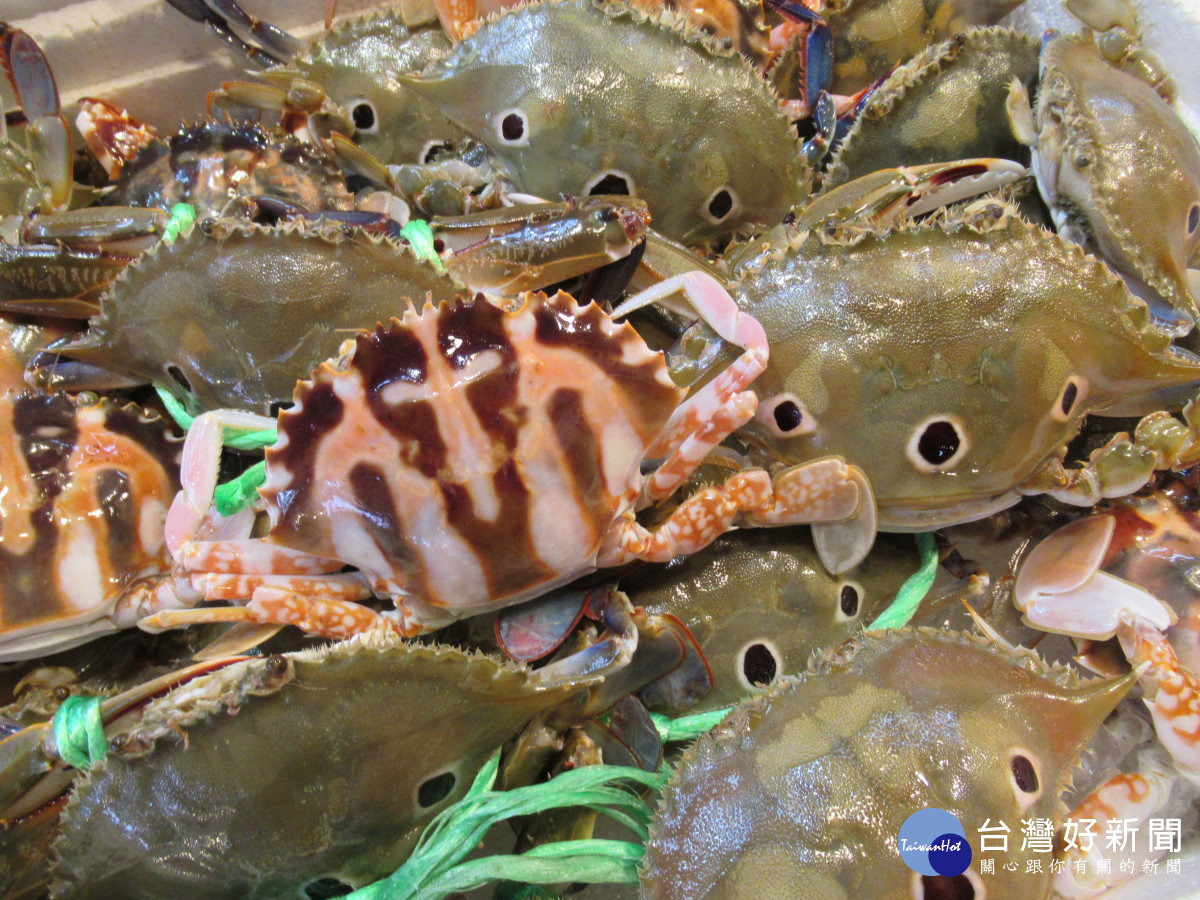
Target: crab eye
{"x": 1193, "y": 218}
{"x": 966, "y": 886}
{"x": 512, "y": 128}
{"x": 611, "y": 181}
{"x": 720, "y": 204}
{"x": 849, "y": 594}
{"x": 1072, "y": 392}
{"x": 786, "y": 416}
{"x": 435, "y": 789}
{"x": 937, "y": 445}
{"x": 759, "y": 664}
{"x": 365, "y": 119}
{"x": 1023, "y": 776}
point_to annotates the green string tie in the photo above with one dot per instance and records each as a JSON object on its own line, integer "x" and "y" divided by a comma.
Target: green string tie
{"x": 238, "y": 440}
{"x": 434, "y": 868}
{"x": 913, "y": 591}
{"x": 688, "y": 727}
{"x": 79, "y": 732}
{"x": 420, "y": 237}
{"x": 182, "y": 218}
{"x": 242, "y": 491}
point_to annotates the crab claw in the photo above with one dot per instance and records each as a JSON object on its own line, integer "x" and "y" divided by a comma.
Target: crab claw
{"x": 1060, "y": 587}
{"x": 28, "y": 72}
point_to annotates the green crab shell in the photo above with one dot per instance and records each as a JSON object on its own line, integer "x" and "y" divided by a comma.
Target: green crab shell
{"x": 872, "y": 36}
{"x": 947, "y": 103}
{"x": 802, "y": 791}
{"x": 323, "y": 764}
{"x": 760, "y": 602}
{"x": 1115, "y": 159}
{"x": 725, "y": 156}
{"x": 1000, "y": 329}
{"x": 233, "y": 315}
{"x": 357, "y": 63}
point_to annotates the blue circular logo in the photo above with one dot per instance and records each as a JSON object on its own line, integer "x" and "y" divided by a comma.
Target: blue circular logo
{"x": 933, "y": 842}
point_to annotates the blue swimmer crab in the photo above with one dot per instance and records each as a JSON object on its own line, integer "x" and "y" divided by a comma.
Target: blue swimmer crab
{"x": 1116, "y": 165}
{"x": 84, "y": 490}
{"x": 803, "y": 790}
{"x": 445, "y": 455}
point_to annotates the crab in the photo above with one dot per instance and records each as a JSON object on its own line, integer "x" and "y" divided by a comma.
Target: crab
{"x": 178, "y": 317}
{"x": 494, "y": 455}
{"x": 352, "y": 813}
{"x": 1115, "y": 163}
{"x": 951, "y": 384}
{"x": 946, "y": 103}
{"x": 836, "y": 51}
{"x": 85, "y": 487}
{"x": 805, "y": 787}
{"x": 343, "y": 83}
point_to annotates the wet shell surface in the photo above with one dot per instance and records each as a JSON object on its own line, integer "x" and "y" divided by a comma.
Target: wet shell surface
{"x": 802, "y": 792}
{"x": 231, "y": 315}
{"x": 947, "y": 360}
{"x": 725, "y": 155}
{"x": 273, "y": 774}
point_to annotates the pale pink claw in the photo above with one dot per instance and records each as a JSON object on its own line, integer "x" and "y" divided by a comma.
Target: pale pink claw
{"x": 1066, "y": 559}
{"x": 1060, "y": 587}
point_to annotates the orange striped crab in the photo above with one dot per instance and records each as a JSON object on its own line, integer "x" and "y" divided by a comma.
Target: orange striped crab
{"x": 469, "y": 457}
{"x": 84, "y": 490}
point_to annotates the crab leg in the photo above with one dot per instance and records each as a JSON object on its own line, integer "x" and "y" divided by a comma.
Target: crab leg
{"x": 48, "y": 134}
{"x": 1172, "y": 694}
{"x": 826, "y": 490}
{"x": 1123, "y": 465}
{"x": 1127, "y": 796}
{"x": 316, "y": 615}
{"x": 274, "y": 45}
{"x": 712, "y": 413}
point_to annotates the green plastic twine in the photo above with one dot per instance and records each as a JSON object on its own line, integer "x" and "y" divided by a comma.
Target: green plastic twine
{"x": 434, "y": 868}
{"x": 687, "y": 727}
{"x": 238, "y": 440}
{"x": 241, "y": 491}
{"x": 420, "y": 237}
{"x": 183, "y": 216}
{"x": 79, "y": 732}
{"x": 913, "y": 591}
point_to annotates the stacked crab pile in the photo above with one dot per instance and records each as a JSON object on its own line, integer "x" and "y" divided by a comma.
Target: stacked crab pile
{"x": 525, "y": 472}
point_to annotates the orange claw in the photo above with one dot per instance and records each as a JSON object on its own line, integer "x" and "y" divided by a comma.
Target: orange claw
{"x": 112, "y": 134}
{"x": 1172, "y": 694}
